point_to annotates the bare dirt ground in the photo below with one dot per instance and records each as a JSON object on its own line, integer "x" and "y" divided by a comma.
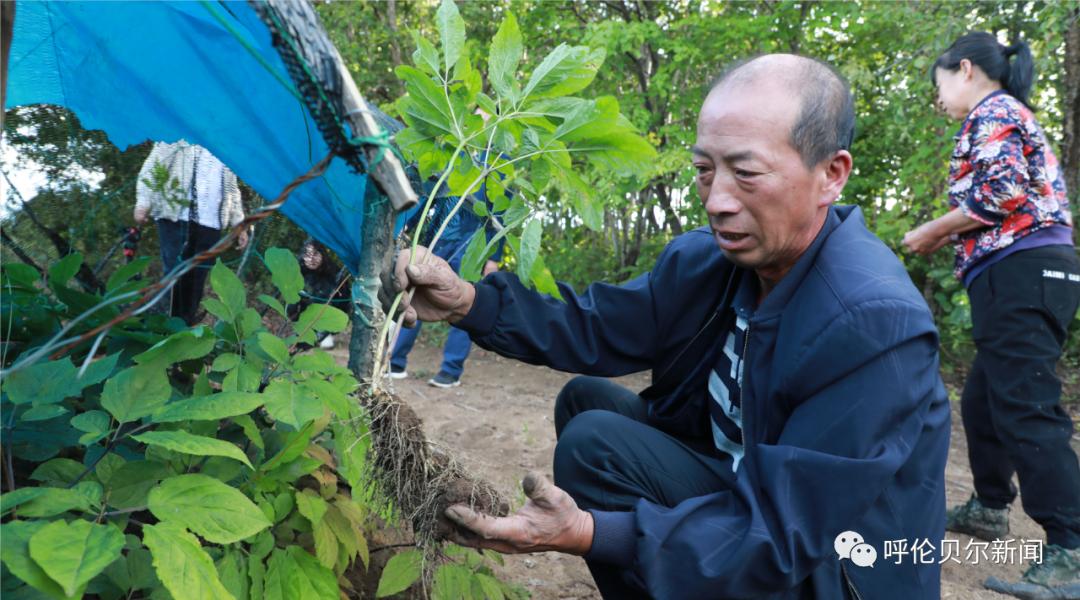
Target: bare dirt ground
{"x": 499, "y": 423}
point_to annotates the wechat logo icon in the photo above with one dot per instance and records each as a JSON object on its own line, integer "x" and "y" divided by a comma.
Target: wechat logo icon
{"x": 850, "y": 545}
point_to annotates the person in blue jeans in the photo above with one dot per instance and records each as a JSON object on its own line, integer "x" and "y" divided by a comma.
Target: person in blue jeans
{"x": 451, "y": 248}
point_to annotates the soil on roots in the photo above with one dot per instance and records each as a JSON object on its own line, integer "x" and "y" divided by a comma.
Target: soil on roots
{"x": 420, "y": 479}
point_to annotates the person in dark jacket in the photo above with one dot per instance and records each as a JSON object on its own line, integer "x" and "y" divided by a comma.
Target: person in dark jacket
{"x": 322, "y": 284}
{"x": 796, "y": 419}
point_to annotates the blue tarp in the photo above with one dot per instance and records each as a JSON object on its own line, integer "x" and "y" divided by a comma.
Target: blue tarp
{"x": 201, "y": 71}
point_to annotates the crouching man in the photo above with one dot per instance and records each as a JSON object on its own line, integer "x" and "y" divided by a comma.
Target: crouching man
{"x": 796, "y": 418}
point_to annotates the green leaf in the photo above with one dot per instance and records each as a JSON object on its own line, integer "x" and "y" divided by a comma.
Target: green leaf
{"x": 564, "y": 71}
{"x": 130, "y": 484}
{"x": 451, "y": 31}
{"x": 251, "y": 430}
{"x": 64, "y": 269}
{"x": 285, "y": 273}
{"x": 123, "y": 274}
{"x": 452, "y": 582}
{"x": 291, "y": 403}
{"x": 232, "y": 569}
{"x": 229, "y": 289}
{"x": 330, "y": 396}
{"x": 425, "y": 55}
{"x": 401, "y": 571}
{"x": 99, "y": 370}
{"x": 21, "y": 274}
{"x": 74, "y": 553}
{"x": 326, "y": 544}
{"x": 136, "y": 392}
{"x": 24, "y": 494}
{"x": 15, "y": 552}
{"x": 59, "y": 472}
{"x": 351, "y": 442}
{"x": 245, "y": 377}
{"x": 94, "y": 423}
{"x": 295, "y": 444}
{"x": 182, "y": 565}
{"x": 544, "y": 281}
{"x": 530, "y": 249}
{"x": 192, "y": 343}
{"x": 43, "y": 413}
{"x": 472, "y": 262}
{"x": 216, "y": 511}
{"x": 504, "y": 56}
{"x": 293, "y": 574}
{"x": 210, "y": 408}
{"x": 273, "y": 347}
{"x": 257, "y": 575}
{"x": 185, "y": 443}
{"x": 351, "y": 537}
{"x": 56, "y": 501}
{"x": 322, "y": 317}
{"x": 489, "y": 587}
{"x": 274, "y": 304}
{"x": 426, "y": 106}
{"x": 43, "y": 383}
{"x": 311, "y": 505}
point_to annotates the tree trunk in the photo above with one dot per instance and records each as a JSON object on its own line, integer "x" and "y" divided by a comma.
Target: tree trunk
{"x": 1070, "y": 149}
{"x": 376, "y": 254}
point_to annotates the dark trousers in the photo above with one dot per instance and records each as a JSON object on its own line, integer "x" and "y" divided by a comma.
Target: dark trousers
{"x": 608, "y": 458}
{"x": 1021, "y": 308}
{"x": 180, "y": 240}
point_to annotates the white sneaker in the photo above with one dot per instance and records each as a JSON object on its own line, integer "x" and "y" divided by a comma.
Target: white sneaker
{"x": 396, "y": 374}
{"x": 327, "y": 342}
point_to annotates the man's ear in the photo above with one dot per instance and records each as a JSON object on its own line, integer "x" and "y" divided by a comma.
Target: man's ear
{"x": 834, "y": 173}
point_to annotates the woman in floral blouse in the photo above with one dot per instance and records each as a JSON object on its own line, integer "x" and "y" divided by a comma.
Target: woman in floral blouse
{"x": 1012, "y": 233}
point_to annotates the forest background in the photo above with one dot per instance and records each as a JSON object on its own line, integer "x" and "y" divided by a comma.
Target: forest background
{"x": 660, "y": 56}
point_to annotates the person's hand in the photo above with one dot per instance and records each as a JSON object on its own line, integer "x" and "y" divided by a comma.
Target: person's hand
{"x": 489, "y": 268}
{"x": 925, "y": 239}
{"x": 141, "y": 215}
{"x": 438, "y": 293}
{"x": 550, "y": 520}
{"x": 242, "y": 239}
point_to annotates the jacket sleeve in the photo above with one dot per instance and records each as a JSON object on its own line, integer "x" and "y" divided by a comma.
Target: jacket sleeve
{"x": 606, "y": 331}
{"x": 144, "y": 196}
{"x": 867, "y": 386}
{"x": 232, "y": 198}
{"x": 999, "y": 171}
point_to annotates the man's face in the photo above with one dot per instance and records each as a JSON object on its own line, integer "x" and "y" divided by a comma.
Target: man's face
{"x": 765, "y": 206}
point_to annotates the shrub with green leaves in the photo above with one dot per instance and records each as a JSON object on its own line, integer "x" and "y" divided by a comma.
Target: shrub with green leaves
{"x": 529, "y": 133}
{"x": 210, "y": 462}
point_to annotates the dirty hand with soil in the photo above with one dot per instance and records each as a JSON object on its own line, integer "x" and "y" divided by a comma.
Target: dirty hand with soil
{"x": 438, "y": 293}
{"x": 549, "y": 521}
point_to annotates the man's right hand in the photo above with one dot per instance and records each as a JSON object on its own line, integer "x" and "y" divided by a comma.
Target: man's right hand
{"x": 141, "y": 215}
{"x": 438, "y": 293}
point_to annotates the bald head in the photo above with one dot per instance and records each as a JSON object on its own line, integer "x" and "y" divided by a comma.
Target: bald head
{"x": 825, "y": 121}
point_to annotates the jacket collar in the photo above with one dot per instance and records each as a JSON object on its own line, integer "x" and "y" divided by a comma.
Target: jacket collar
{"x": 778, "y": 299}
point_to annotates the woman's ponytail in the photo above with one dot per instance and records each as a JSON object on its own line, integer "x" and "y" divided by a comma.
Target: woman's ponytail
{"x": 1021, "y": 71}
{"x": 1011, "y": 66}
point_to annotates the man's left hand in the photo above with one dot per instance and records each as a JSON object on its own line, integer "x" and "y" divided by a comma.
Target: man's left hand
{"x": 489, "y": 268}
{"x": 242, "y": 240}
{"x": 550, "y": 520}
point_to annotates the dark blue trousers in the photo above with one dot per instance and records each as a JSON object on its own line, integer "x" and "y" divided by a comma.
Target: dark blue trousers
{"x": 608, "y": 458}
{"x": 1021, "y": 308}
{"x": 179, "y": 241}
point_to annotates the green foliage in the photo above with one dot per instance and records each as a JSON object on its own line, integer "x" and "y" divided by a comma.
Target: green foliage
{"x": 220, "y": 442}
{"x": 511, "y": 135}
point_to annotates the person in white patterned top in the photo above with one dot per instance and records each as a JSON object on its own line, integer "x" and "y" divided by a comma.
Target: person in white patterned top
{"x": 192, "y": 196}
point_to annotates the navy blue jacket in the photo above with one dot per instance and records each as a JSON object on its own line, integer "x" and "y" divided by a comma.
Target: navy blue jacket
{"x": 845, "y": 418}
